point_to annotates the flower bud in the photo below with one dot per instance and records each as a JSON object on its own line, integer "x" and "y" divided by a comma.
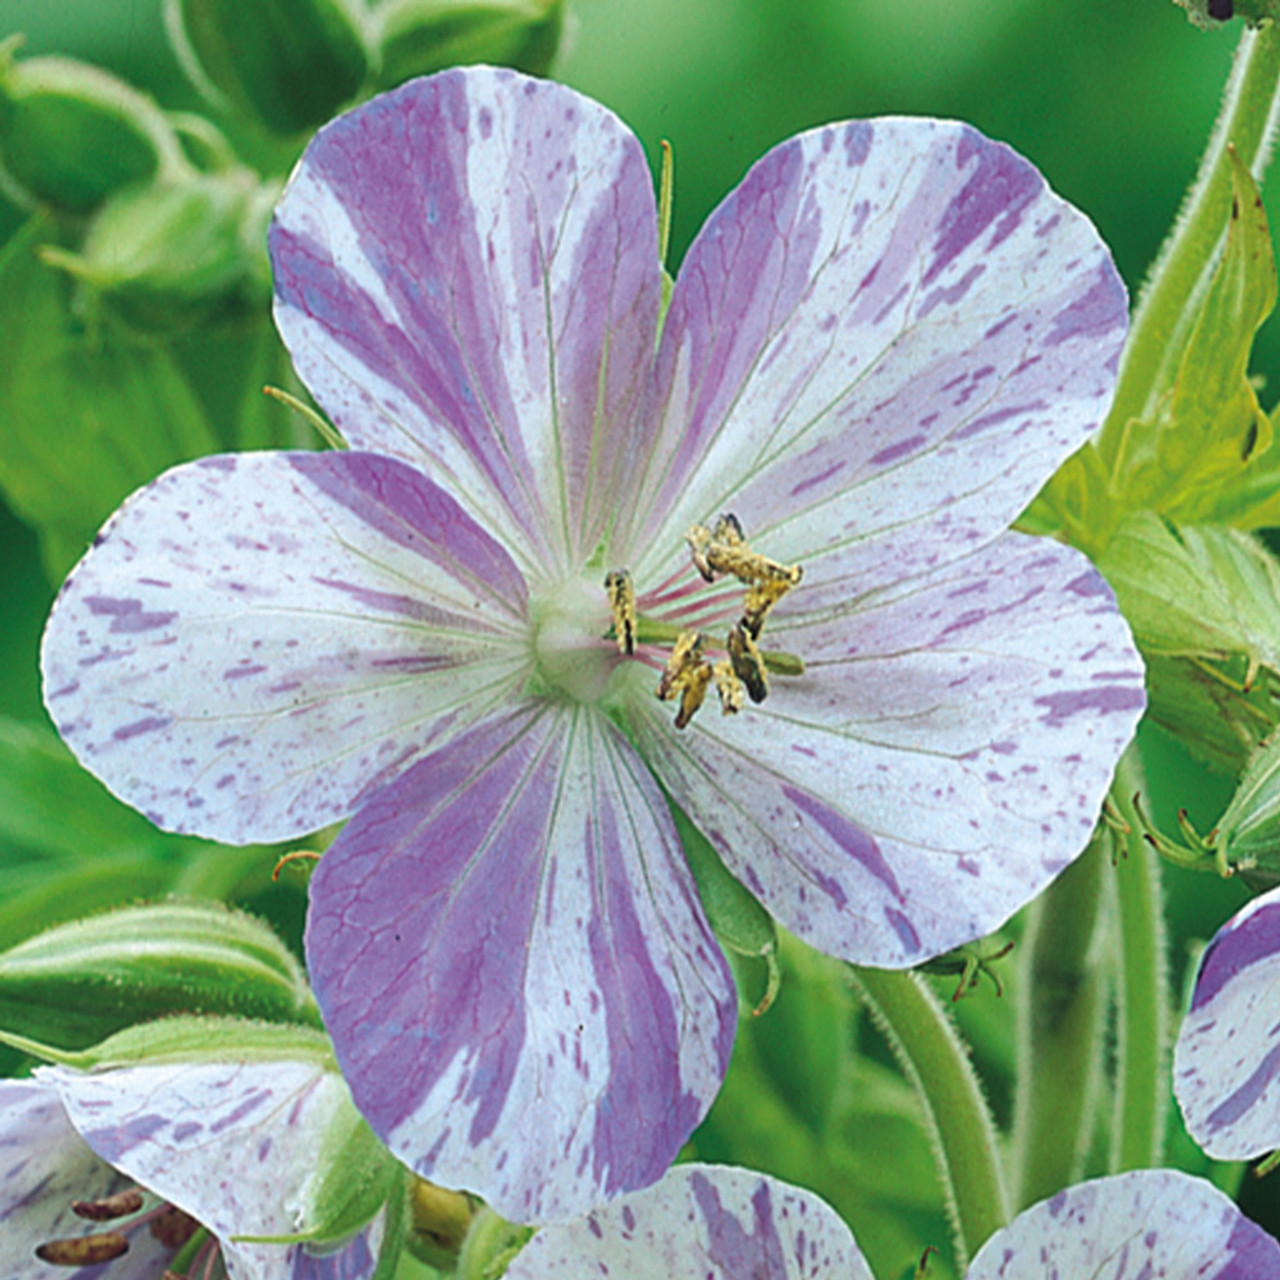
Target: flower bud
{"x": 417, "y": 37}
{"x": 71, "y": 134}
{"x": 289, "y": 64}
{"x": 173, "y": 254}
{"x": 77, "y": 984}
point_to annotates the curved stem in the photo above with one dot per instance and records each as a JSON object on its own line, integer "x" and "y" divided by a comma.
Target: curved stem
{"x": 1142, "y": 1024}
{"x": 935, "y": 1060}
{"x": 1167, "y": 308}
{"x": 1062, "y": 1001}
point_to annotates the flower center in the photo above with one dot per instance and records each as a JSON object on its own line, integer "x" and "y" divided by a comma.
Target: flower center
{"x": 574, "y": 658}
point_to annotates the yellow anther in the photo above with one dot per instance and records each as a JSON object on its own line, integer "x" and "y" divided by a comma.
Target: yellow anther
{"x": 748, "y": 663}
{"x": 733, "y": 693}
{"x": 725, "y": 550}
{"x": 762, "y": 595}
{"x": 685, "y": 657}
{"x": 622, "y": 602}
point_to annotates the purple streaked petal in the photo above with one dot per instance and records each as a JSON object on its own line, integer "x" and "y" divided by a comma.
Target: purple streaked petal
{"x": 514, "y": 966}
{"x": 231, "y": 1143}
{"x": 1135, "y": 1226}
{"x": 255, "y": 642}
{"x": 44, "y": 1166}
{"x": 1226, "y": 1064}
{"x": 941, "y": 760}
{"x": 701, "y": 1221}
{"x": 466, "y": 274}
{"x": 877, "y": 349}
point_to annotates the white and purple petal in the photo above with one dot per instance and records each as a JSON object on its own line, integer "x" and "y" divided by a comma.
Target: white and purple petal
{"x": 878, "y": 348}
{"x": 1135, "y": 1226}
{"x": 943, "y": 757}
{"x": 257, "y": 642}
{"x": 466, "y": 274}
{"x": 233, "y": 1144}
{"x": 1226, "y": 1064}
{"x": 510, "y": 955}
{"x": 701, "y": 1221}
{"x": 44, "y": 1166}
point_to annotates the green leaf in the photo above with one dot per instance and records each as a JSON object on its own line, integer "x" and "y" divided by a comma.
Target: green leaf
{"x": 84, "y": 419}
{"x": 76, "y": 984}
{"x": 1204, "y": 605}
{"x": 1209, "y": 427}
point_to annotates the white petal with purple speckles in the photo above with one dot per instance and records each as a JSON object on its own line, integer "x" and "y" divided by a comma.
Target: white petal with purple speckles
{"x": 466, "y": 274}
{"x": 44, "y": 1166}
{"x": 1135, "y": 1226}
{"x": 510, "y": 955}
{"x": 258, "y": 641}
{"x": 701, "y": 1221}
{"x": 942, "y": 758}
{"x": 1226, "y": 1064}
{"x": 232, "y": 1144}
{"x": 877, "y": 349}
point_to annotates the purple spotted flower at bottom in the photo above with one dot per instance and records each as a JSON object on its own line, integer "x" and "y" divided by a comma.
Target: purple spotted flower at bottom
{"x": 786, "y": 502}
{"x": 730, "y": 1224}
{"x": 136, "y": 1165}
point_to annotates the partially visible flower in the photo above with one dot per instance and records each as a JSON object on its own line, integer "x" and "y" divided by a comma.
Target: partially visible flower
{"x": 879, "y": 347}
{"x": 730, "y": 1224}
{"x": 1226, "y": 1063}
{"x": 136, "y": 1165}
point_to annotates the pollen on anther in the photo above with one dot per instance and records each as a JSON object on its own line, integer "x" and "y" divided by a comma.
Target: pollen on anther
{"x": 622, "y": 604}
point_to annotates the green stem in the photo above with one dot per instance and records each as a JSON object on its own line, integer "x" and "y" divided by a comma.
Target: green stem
{"x": 1142, "y": 1024}
{"x": 1167, "y": 307}
{"x": 935, "y": 1060}
{"x": 1062, "y": 1000}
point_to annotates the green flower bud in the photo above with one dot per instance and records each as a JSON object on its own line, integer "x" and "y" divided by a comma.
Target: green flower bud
{"x": 1247, "y": 837}
{"x": 288, "y": 64}
{"x": 71, "y": 134}
{"x": 77, "y": 984}
{"x": 1213, "y": 13}
{"x": 417, "y": 37}
{"x": 173, "y": 254}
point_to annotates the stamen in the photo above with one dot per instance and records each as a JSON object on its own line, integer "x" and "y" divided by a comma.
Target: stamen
{"x": 725, "y": 550}
{"x": 173, "y": 1228}
{"x": 748, "y": 663}
{"x": 733, "y": 693}
{"x": 761, "y": 597}
{"x": 622, "y": 602}
{"x": 87, "y": 1251}
{"x": 695, "y": 691}
{"x": 120, "y": 1205}
{"x": 685, "y": 656}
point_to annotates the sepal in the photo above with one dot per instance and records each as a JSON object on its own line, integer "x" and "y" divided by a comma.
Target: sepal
{"x": 417, "y": 37}
{"x": 78, "y": 984}
{"x": 286, "y": 64}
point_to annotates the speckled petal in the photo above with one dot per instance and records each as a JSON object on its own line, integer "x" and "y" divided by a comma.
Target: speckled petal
{"x": 232, "y": 1144}
{"x": 514, "y": 966}
{"x": 943, "y": 757}
{"x": 44, "y": 1166}
{"x": 878, "y": 349}
{"x": 1226, "y": 1064}
{"x": 466, "y": 273}
{"x": 258, "y": 641}
{"x": 701, "y": 1221}
{"x": 1136, "y": 1226}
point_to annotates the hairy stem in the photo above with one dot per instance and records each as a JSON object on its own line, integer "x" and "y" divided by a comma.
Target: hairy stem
{"x": 1062, "y": 1002}
{"x": 934, "y": 1058}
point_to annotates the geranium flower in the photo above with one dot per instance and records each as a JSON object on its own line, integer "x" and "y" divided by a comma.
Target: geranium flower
{"x": 877, "y": 350}
{"x": 730, "y": 1224}
{"x": 129, "y": 1165}
{"x": 1226, "y": 1063}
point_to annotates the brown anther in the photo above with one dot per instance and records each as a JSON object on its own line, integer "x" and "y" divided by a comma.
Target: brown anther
{"x": 748, "y": 663}
{"x": 120, "y": 1205}
{"x": 685, "y": 657}
{"x": 622, "y": 603}
{"x": 724, "y": 550}
{"x": 693, "y": 693}
{"x": 732, "y": 691}
{"x": 762, "y": 595}
{"x": 87, "y": 1251}
{"x": 173, "y": 1228}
